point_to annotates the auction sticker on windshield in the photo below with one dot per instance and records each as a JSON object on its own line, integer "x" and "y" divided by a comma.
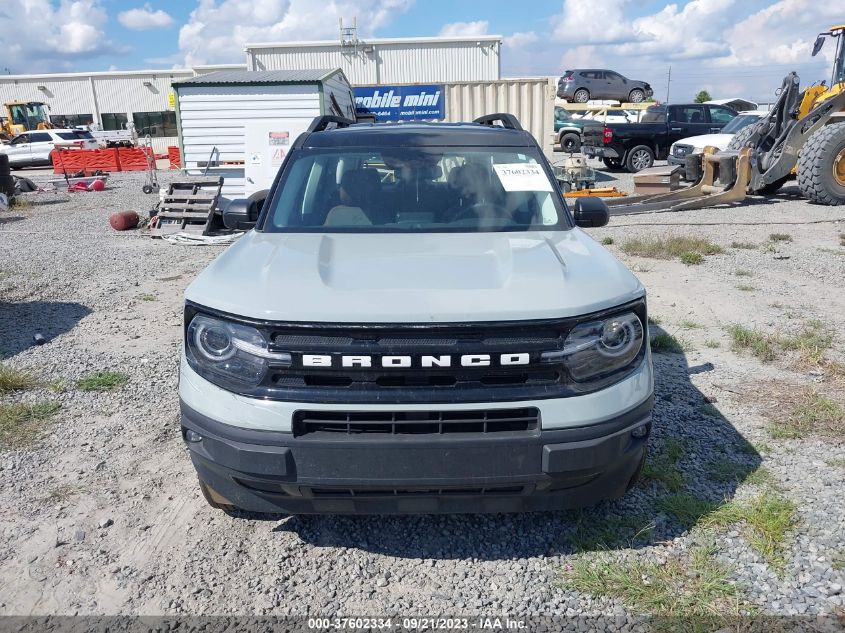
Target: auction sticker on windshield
{"x": 522, "y": 177}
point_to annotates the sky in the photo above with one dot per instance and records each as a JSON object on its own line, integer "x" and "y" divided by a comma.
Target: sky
{"x": 731, "y": 48}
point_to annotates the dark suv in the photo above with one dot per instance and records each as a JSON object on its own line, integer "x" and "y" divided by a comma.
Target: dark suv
{"x": 596, "y": 83}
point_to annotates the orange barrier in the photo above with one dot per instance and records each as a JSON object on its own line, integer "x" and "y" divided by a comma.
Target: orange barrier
{"x": 102, "y": 159}
{"x": 70, "y": 161}
{"x": 175, "y": 157}
{"x": 134, "y": 158}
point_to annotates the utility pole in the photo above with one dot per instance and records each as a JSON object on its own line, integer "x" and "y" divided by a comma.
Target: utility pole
{"x": 668, "y": 82}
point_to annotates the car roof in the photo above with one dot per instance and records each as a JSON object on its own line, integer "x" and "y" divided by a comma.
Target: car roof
{"x": 420, "y": 135}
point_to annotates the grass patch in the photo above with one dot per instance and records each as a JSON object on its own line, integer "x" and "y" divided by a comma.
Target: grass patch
{"x": 838, "y": 560}
{"x": 147, "y": 297}
{"x": 654, "y": 320}
{"x": 813, "y": 414}
{"x": 695, "y": 587}
{"x": 811, "y": 342}
{"x": 750, "y": 246}
{"x": 712, "y": 343}
{"x": 686, "y": 508}
{"x": 607, "y": 241}
{"x": 688, "y": 249}
{"x": 746, "y": 287}
{"x": 745, "y": 447}
{"x": 836, "y": 463}
{"x": 768, "y": 518}
{"x": 687, "y": 324}
{"x": 691, "y": 258}
{"x": 592, "y": 533}
{"x": 62, "y": 492}
{"x": 22, "y": 423}
{"x": 780, "y": 237}
{"x": 57, "y": 386}
{"x": 12, "y": 379}
{"x": 665, "y": 343}
{"x": 663, "y": 468}
{"x": 726, "y": 469}
{"x": 741, "y": 272}
{"x": 102, "y": 381}
{"x": 760, "y": 477}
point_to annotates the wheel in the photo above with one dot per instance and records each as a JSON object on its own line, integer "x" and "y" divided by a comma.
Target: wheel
{"x": 147, "y": 188}
{"x": 639, "y": 158}
{"x": 211, "y": 498}
{"x": 636, "y": 96}
{"x": 582, "y": 95}
{"x": 821, "y": 166}
{"x": 612, "y": 163}
{"x": 570, "y": 142}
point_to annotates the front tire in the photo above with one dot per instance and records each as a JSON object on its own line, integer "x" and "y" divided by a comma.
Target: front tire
{"x": 570, "y": 142}
{"x": 821, "y": 166}
{"x": 582, "y": 95}
{"x": 639, "y": 158}
{"x": 636, "y": 96}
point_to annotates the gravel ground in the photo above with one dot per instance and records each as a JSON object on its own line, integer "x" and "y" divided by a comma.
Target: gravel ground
{"x": 102, "y": 514}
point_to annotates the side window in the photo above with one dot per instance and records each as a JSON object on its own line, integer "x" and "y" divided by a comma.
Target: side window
{"x": 721, "y": 115}
{"x": 613, "y": 76}
{"x": 20, "y": 140}
{"x": 689, "y": 114}
{"x": 40, "y": 137}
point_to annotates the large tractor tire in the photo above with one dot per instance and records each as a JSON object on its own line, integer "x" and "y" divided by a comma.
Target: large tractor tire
{"x": 821, "y": 166}
{"x": 739, "y": 141}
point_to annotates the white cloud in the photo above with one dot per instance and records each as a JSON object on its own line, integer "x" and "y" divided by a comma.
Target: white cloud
{"x": 217, "y": 30}
{"x": 465, "y": 29}
{"x": 49, "y": 36}
{"x": 144, "y": 19}
{"x": 521, "y": 39}
{"x": 583, "y": 22}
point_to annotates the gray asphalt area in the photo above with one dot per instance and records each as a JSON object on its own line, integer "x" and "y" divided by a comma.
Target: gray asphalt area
{"x": 739, "y": 511}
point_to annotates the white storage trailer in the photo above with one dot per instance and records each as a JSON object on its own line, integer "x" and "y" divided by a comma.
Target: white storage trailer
{"x": 241, "y": 124}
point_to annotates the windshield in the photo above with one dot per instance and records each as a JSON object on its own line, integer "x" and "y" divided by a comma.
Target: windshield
{"x": 561, "y": 114}
{"x": 739, "y": 122}
{"x": 415, "y": 190}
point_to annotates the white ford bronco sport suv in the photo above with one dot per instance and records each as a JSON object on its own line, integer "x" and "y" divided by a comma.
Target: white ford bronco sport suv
{"x": 415, "y": 324}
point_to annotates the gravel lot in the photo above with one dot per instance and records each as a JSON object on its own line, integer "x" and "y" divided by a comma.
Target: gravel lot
{"x": 102, "y": 515}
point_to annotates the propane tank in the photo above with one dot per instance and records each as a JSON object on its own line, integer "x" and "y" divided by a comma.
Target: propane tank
{"x": 123, "y": 220}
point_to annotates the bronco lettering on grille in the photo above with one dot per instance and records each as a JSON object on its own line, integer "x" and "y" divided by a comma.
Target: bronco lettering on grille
{"x": 411, "y": 362}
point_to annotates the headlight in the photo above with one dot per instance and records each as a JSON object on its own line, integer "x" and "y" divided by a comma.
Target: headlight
{"x": 598, "y": 348}
{"x": 229, "y": 353}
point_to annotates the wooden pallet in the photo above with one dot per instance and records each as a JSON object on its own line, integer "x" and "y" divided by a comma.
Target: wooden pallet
{"x": 189, "y": 207}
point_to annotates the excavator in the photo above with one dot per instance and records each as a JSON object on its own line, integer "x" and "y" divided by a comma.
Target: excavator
{"x": 23, "y": 116}
{"x": 802, "y": 135}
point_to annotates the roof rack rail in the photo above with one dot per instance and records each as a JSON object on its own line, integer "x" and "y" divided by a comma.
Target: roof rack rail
{"x": 321, "y": 123}
{"x": 508, "y": 121}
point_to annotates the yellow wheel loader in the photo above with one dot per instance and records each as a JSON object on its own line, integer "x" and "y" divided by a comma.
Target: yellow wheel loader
{"x": 803, "y": 134}
{"x": 23, "y": 116}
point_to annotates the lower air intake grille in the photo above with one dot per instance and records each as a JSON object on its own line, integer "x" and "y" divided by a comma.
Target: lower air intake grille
{"x": 525, "y": 420}
{"x": 414, "y": 492}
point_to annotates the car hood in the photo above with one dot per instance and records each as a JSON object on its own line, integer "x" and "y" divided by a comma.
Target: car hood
{"x": 719, "y": 141}
{"x": 414, "y": 278}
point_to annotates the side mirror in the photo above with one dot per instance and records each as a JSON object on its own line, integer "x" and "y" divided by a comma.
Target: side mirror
{"x": 591, "y": 212}
{"x": 242, "y": 214}
{"x": 818, "y": 45}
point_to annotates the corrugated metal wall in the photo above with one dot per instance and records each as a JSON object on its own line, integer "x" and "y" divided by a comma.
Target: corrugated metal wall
{"x": 532, "y": 101}
{"x": 214, "y": 116}
{"x": 388, "y": 63}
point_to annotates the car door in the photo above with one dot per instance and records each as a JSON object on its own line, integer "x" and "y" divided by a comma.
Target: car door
{"x": 687, "y": 120}
{"x": 588, "y": 79}
{"x": 18, "y": 150}
{"x": 616, "y": 88}
{"x": 40, "y": 146}
{"x": 720, "y": 117}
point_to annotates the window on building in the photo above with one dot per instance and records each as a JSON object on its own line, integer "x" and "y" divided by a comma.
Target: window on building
{"x": 71, "y": 120}
{"x": 114, "y": 120}
{"x": 156, "y": 124}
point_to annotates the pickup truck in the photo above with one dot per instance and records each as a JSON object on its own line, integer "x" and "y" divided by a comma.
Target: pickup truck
{"x": 635, "y": 146}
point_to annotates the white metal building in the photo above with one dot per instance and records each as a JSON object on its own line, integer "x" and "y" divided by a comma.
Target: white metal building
{"x": 388, "y": 61}
{"x": 107, "y": 99}
{"x": 244, "y": 123}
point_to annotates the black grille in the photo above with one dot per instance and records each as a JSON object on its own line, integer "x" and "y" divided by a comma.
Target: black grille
{"x": 682, "y": 150}
{"x": 415, "y": 492}
{"x": 415, "y": 422}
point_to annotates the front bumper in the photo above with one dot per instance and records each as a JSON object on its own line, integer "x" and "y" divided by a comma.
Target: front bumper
{"x": 269, "y": 471}
{"x": 675, "y": 160}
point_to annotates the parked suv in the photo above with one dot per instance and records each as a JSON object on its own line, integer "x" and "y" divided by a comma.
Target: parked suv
{"x": 595, "y": 83}
{"x": 33, "y": 148}
{"x": 415, "y": 324}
